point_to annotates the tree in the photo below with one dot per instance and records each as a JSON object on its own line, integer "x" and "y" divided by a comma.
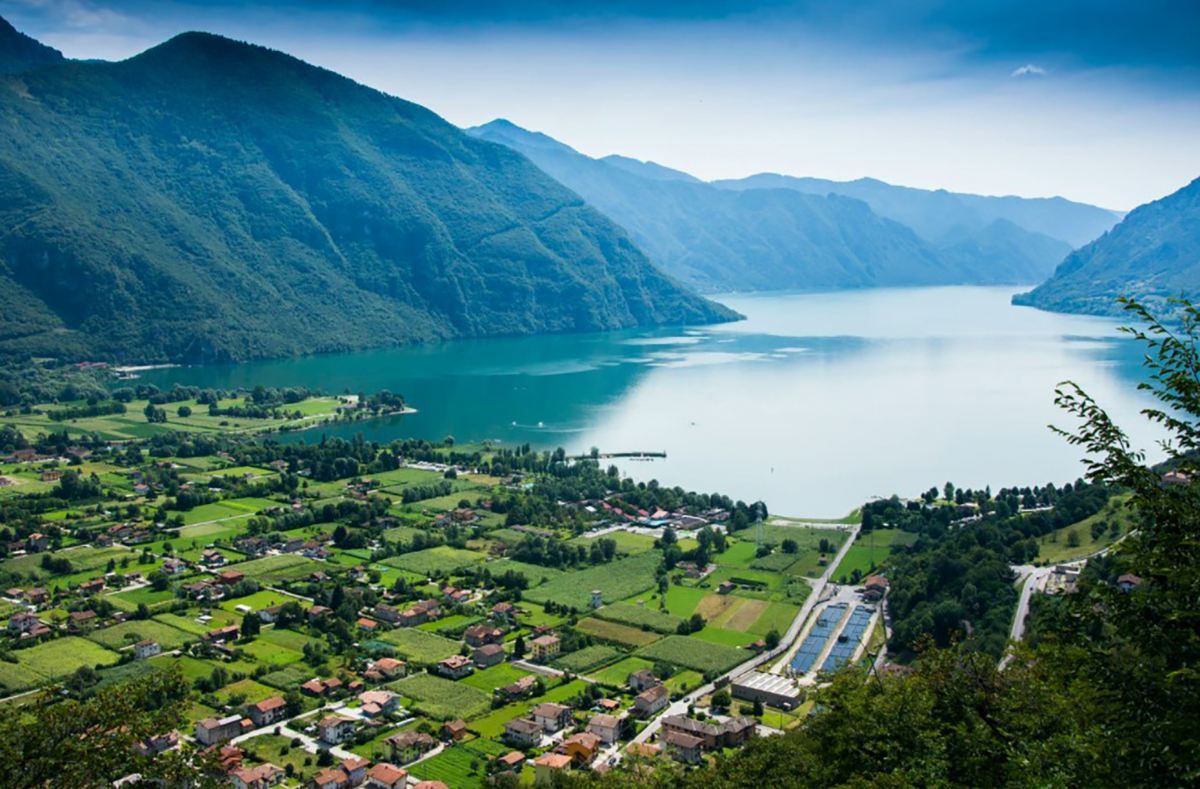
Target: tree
{"x": 772, "y": 638}
{"x": 251, "y": 625}
{"x": 789, "y": 546}
{"x": 184, "y": 411}
{"x": 721, "y": 699}
{"x": 519, "y": 647}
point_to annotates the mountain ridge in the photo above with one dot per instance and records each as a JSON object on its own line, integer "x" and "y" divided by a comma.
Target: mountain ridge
{"x": 1153, "y": 255}
{"x": 223, "y": 201}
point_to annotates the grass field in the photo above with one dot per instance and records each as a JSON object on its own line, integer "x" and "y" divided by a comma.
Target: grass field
{"x": 83, "y": 560}
{"x": 464, "y": 765}
{"x": 1056, "y": 546}
{"x": 288, "y": 678}
{"x": 128, "y": 601}
{"x": 442, "y": 559}
{"x": 627, "y": 542}
{"x": 637, "y": 616}
{"x": 694, "y": 654}
{"x": 443, "y": 699}
{"x": 250, "y": 692}
{"x": 616, "y": 581}
{"x": 587, "y": 658}
{"x": 494, "y": 677}
{"x": 127, "y": 633}
{"x": 264, "y": 598}
{"x": 274, "y": 569}
{"x": 618, "y": 673}
{"x": 620, "y": 634}
{"x": 62, "y": 656}
{"x": 492, "y": 724}
{"x": 279, "y": 751}
{"x": 535, "y": 574}
{"x": 869, "y": 551}
{"x": 723, "y": 636}
{"x": 420, "y": 646}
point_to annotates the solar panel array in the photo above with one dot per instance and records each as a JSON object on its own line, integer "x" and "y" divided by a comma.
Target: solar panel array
{"x": 848, "y": 639}
{"x": 810, "y": 650}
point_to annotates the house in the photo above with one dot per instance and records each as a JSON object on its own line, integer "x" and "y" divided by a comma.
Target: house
{"x": 506, "y": 611}
{"x": 378, "y": 702}
{"x": 213, "y": 731}
{"x": 641, "y": 680}
{"x": 147, "y": 648}
{"x": 261, "y": 777}
{"x": 643, "y": 749}
{"x": 174, "y": 566}
{"x": 488, "y": 655}
{"x": 874, "y": 588}
{"x": 729, "y": 733}
{"x": 511, "y": 762}
{"x": 479, "y": 635}
{"x": 267, "y": 711}
{"x": 154, "y": 745}
{"x": 334, "y": 729}
{"x": 385, "y": 668}
{"x": 80, "y": 620}
{"x": 519, "y": 689}
{"x": 581, "y": 747}
{"x": 544, "y": 648}
{"x": 204, "y": 590}
{"x": 1128, "y": 582}
{"x": 370, "y": 625}
{"x": 725, "y": 587}
{"x": 454, "y": 667}
{"x": 387, "y": 776}
{"x": 548, "y": 765}
{"x": 651, "y": 700}
{"x": 37, "y": 542}
{"x": 455, "y": 595}
{"x": 22, "y": 623}
{"x": 552, "y": 716}
{"x": 318, "y": 612}
{"x": 454, "y": 730}
{"x": 269, "y": 614}
{"x": 330, "y": 778}
{"x": 211, "y": 557}
{"x": 231, "y": 577}
{"x": 523, "y": 732}
{"x": 222, "y": 634}
{"x": 94, "y": 586}
{"x": 408, "y": 746}
{"x": 355, "y": 769}
{"x": 314, "y": 687}
{"x": 683, "y": 747}
{"x": 609, "y": 706}
{"x": 36, "y": 596}
{"x": 606, "y": 727}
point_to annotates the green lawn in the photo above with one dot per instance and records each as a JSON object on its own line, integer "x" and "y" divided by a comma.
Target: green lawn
{"x": 627, "y": 542}
{"x": 637, "y": 616}
{"x": 618, "y": 673}
{"x": 617, "y": 633}
{"x": 420, "y": 646}
{"x": 250, "y": 691}
{"x": 442, "y": 559}
{"x": 443, "y": 699}
{"x": 1057, "y": 546}
{"x": 587, "y": 658}
{"x": 694, "y": 654}
{"x": 62, "y": 656}
{"x": 127, "y": 633}
{"x": 616, "y": 581}
{"x": 274, "y": 569}
{"x": 869, "y": 551}
{"x": 536, "y": 574}
{"x": 497, "y": 676}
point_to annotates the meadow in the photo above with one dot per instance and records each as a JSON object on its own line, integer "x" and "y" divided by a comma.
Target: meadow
{"x": 442, "y": 699}
{"x": 616, "y": 580}
{"x": 694, "y": 654}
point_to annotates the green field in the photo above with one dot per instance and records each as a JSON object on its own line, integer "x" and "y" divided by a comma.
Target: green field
{"x": 264, "y": 598}
{"x": 464, "y": 765}
{"x": 497, "y": 676}
{"x": 694, "y": 654}
{"x": 587, "y": 658}
{"x": 250, "y": 692}
{"x": 627, "y": 542}
{"x": 536, "y": 574}
{"x": 288, "y": 678}
{"x": 275, "y": 569}
{"x": 869, "y": 551}
{"x": 127, "y": 633}
{"x": 618, "y": 673}
{"x": 616, "y": 580}
{"x": 83, "y": 560}
{"x": 1056, "y": 546}
{"x": 492, "y": 724}
{"x": 616, "y": 633}
{"x": 128, "y": 601}
{"x": 442, "y": 559}
{"x": 638, "y": 616}
{"x": 420, "y": 646}
{"x": 441, "y": 698}
{"x": 62, "y": 656}
{"x": 682, "y": 600}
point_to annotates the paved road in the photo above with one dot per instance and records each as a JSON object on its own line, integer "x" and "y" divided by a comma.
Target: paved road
{"x": 785, "y": 643}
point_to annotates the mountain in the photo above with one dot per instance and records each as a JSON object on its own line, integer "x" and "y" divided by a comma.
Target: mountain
{"x": 213, "y": 200}
{"x": 721, "y": 239}
{"x": 1152, "y": 255}
{"x": 19, "y": 52}
{"x": 940, "y": 216}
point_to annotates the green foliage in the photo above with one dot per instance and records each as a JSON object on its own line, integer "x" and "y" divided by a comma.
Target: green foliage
{"x": 210, "y": 200}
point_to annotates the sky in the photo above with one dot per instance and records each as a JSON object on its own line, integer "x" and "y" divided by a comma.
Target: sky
{"x": 1093, "y": 100}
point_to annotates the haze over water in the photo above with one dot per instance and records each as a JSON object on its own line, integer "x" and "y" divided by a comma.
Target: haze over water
{"x": 813, "y": 404}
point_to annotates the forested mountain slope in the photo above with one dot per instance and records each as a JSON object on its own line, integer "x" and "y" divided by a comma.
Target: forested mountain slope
{"x": 212, "y": 200}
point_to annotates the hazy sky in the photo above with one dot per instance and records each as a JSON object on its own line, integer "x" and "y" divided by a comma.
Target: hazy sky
{"x": 1094, "y": 100}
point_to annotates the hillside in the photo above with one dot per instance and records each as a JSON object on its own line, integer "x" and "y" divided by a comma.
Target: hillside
{"x": 942, "y": 217}
{"x": 19, "y": 52}
{"x": 212, "y": 200}
{"x": 1153, "y": 254}
{"x": 761, "y": 239}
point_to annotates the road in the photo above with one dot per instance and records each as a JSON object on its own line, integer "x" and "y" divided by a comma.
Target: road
{"x": 785, "y": 643}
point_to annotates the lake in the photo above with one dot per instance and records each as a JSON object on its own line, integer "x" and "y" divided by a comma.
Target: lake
{"x": 814, "y": 403}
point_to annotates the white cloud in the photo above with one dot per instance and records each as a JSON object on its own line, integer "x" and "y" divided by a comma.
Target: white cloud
{"x": 1029, "y": 70}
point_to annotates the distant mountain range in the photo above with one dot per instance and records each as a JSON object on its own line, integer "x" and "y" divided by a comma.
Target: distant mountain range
{"x": 771, "y": 232}
{"x": 212, "y": 200}
{"x": 1152, "y": 255}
